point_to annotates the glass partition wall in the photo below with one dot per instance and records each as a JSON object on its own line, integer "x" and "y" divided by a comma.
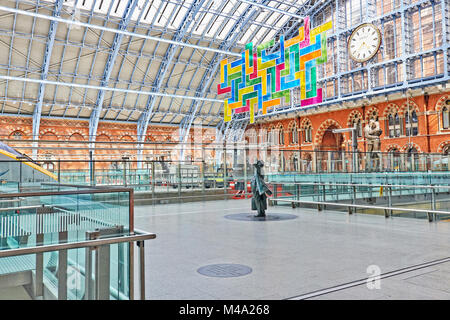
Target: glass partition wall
{"x": 59, "y": 230}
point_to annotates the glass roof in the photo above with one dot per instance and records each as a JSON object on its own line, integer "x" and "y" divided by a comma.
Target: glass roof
{"x": 215, "y": 18}
{"x": 81, "y": 55}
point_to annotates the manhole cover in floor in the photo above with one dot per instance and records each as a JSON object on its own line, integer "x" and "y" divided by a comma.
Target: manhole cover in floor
{"x": 224, "y": 270}
{"x": 269, "y": 217}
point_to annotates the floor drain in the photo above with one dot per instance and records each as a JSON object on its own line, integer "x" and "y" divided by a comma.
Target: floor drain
{"x": 224, "y": 270}
{"x": 269, "y": 217}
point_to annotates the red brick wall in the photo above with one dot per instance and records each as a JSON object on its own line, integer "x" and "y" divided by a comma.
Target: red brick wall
{"x": 72, "y": 130}
{"x": 431, "y": 137}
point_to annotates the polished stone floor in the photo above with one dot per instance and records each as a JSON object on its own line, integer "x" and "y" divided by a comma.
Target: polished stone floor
{"x": 315, "y": 251}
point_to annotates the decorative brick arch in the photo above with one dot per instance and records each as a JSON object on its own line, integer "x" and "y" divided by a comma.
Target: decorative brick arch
{"x": 324, "y": 126}
{"x": 102, "y": 134}
{"x": 440, "y": 103}
{"x": 404, "y": 107}
{"x": 292, "y": 125}
{"x": 251, "y": 135}
{"x": 49, "y": 131}
{"x": 409, "y": 145}
{"x": 126, "y": 135}
{"x": 352, "y": 115}
{"x": 371, "y": 110}
{"x": 25, "y": 134}
{"x": 75, "y": 133}
{"x": 392, "y": 146}
{"x": 307, "y": 156}
{"x": 391, "y": 108}
{"x": 442, "y": 145}
{"x": 305, "y": 122}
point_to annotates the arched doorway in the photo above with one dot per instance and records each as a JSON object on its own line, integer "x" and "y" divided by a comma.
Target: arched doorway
{"x": 306, "y": 162}
{"x": 412, "y": 159}
{"x": 330, "y": 150}
{"x": 394, "y": 160}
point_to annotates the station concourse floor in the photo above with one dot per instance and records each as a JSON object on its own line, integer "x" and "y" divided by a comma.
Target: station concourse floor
{"x": 289, "y": 258}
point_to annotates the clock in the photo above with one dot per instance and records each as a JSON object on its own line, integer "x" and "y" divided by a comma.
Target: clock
{"x": 364, "y": 42}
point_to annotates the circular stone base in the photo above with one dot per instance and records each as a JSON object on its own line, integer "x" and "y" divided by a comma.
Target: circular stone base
{"x": 224, "y": 270}
{"x": 268, "y": 217}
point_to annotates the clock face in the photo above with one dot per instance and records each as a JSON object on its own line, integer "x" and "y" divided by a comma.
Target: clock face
{"x": 364, "y": 42}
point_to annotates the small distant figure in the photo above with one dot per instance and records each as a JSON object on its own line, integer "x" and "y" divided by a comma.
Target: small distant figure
{"x": 260, "y": 191}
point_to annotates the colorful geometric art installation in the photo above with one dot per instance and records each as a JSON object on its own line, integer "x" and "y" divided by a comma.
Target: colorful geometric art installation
{"x": 259, "y": 79}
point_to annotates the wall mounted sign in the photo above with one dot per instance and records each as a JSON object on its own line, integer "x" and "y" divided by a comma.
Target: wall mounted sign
{"x": 260, "y": 79}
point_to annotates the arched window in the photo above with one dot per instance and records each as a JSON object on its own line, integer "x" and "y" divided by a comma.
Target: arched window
{"x": 394, "y": 159}
{"x": 356, "y": 122}
{"x": 411, "y": 123}
{"x": 271, "y": 136}
{"x": 446, "y": 150}
{"x": 445, "y": 117}
{"x": 280, "y": 135}
{"x": 50, "y": 166}
{"x": 394, "y": 127}
{"x": 412, "y": 159}
{"x": 293, "y": 134}
{"x": 17, "y": 135}
{"x": 373, "y": 114}
{"x": 252, "y": 137}
{"x": 294, "y": 162}
{"x": 308, "y": 133}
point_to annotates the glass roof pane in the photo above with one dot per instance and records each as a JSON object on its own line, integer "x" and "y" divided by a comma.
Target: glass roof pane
{"x": 282, "y": 21}
{"x": 271, "y": 20}
{"x": 118, "y": 8}
{"x": 246, "y": 38}
{"x": 269, "y": 36}
{"x": 150, "y": 14}
{"x": 141, "y": 6}
{"x": 164, "y": 15}
{"x": 178, "y": 17}
{"x": 203, "y": 23}
{"x": 262, "y": 16}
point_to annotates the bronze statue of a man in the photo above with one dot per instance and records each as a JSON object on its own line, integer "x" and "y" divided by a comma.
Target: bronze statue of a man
{"x": 260, "y": 191}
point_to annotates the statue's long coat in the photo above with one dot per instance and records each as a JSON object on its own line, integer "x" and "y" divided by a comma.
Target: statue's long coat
{"x": 259, "y": 189}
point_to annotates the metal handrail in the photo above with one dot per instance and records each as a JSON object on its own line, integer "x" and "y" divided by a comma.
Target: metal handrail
{"x": 360, "y": 206}
{"x": 140, "y": 236}
{"x": 360, "y": 185}
{"x": 66, "y": 192}
{"x": 130, "y": 191}
{"x": 20, "y": 208}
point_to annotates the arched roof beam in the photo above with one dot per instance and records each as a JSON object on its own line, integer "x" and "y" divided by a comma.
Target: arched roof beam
{"x": 47, "y": 55}
{"x": 233, "y": 35}
{"x": 170, "y": 53}
{"x": 126, "y": 33}
{"x": 95, "y": 115}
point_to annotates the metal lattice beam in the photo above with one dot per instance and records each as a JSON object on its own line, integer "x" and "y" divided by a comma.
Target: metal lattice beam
{"x": 95, "y": 115}
{"x": 167, "y": 61}
{"x": 47, "y": 55}
{"x": 208, "y": 77}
